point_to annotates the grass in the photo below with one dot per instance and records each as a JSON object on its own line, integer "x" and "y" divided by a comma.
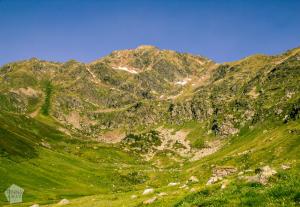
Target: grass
{"x": 282, "y": 191}
{"x": 66, "y": 167}
{"x": 96, "y": 174}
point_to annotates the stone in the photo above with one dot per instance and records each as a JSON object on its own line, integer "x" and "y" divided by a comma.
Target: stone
{"x": 223, "y": 171}
{"x": 183, "y": 186}
{"x": 252, "y": 179}
{"x": 267, "y": 171}
{"x": 149, "y": 201}
{"x": 219, "y": 173}
{"x": 64, "y": 202}
{"x": 213, "y": 180}
{"x": 35, "y": 205}
{"x": 148, "y": 191}
{"x": 262, "y": 176}
{"x": 162, "y": 194}
{"x": 133, "y": 197}
{"x": 193, "y": 179}
{"x": 173, "y": 184}
{"x": 285, "y": 167}
{"x": 224, "y": 184}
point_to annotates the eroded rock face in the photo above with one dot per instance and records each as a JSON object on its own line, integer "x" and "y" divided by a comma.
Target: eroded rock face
{"x": 227, "y": 128}
{"x": 149, "y": 144}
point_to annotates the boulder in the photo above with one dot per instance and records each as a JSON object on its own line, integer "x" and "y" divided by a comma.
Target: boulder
{"x": 173, "y": 184}
{"x": 266, "y": 171}
{"x": 64, "y": 202}
{"x": 252, "y": 179}
{"x": 219, "y": 173}
{"x": 148, "y": 191}
{"x": 35, "y": 205}
{"x": 285, "y": 167}
{"x": 193, "y": 179}
{"x": 133, "y": 197}
{"x": 223, "y": 171}
{"x": 184, "y": 186}
{"x": 262, "y": 176}
{"x": 224, "y": 184}
{"x": 162, "y": 194}
{"x": 213, "y": 180}
{"x": 149, "y": 201}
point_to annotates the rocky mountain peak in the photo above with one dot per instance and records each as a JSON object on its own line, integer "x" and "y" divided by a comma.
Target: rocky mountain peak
{"x": 146, "y": 47}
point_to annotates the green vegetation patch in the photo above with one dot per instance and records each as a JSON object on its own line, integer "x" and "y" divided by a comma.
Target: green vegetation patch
{"x": 47, "y": 103}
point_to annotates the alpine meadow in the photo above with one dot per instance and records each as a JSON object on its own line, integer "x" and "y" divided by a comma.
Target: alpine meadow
{"x": 146, "y": 126}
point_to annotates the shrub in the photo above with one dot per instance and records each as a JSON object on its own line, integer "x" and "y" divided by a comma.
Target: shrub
{"x": 48, "y": 92}
{"x": 199, "y": 143}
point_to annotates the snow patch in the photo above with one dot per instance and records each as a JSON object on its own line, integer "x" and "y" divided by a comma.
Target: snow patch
{"x": 126, "y": 69}
{"x": 183, "y": 82}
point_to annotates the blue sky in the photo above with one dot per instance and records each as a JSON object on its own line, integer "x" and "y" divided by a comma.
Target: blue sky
{"x": 226, "y": 30}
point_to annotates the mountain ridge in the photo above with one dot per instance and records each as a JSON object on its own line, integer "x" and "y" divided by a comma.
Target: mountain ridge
{"x": 168, "y": 81}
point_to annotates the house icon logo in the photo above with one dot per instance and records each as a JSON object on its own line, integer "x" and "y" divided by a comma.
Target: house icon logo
{"x": 14, "y": 194}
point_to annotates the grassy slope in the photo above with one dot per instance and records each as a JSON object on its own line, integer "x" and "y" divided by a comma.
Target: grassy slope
{"x": 64, "y": 168}
{"x": 73, "y": 168}
{"x": 273, "y": 147}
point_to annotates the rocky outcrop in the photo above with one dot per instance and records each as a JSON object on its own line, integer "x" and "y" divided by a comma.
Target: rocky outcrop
{"x": 262, "y": 176}
{"x": 219, "y": 173}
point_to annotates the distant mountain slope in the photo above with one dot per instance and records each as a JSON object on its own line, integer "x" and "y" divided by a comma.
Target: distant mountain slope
{"x": 147, "y": 86}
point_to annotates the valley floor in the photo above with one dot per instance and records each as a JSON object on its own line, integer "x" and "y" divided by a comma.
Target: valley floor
{"x": 257, "y": 167}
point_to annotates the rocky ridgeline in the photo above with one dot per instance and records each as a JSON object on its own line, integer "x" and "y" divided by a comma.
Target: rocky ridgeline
{"x": 147, "y": 86}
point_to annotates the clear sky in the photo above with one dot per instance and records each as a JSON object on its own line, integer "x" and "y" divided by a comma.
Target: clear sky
{"x": 85, "y": 30}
